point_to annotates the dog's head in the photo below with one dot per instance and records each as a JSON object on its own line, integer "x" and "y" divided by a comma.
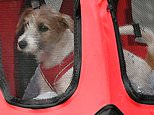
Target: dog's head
{"x": 42, "y": 27}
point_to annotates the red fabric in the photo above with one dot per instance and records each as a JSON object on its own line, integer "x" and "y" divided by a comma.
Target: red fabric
{"x": 124, "y": 15}
{"x": 67, "y": 7}
{"x": 100, "y": 77}
{"x": 9, "y": 15}
{"x": 59, "y": 70}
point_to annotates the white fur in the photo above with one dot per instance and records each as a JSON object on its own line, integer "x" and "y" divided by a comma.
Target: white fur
{"x": 30, "y": 36}
{"x": 59, "y": 52}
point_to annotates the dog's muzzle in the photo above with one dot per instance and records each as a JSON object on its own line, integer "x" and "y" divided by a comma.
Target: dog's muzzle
{"x": 22, "y": 44}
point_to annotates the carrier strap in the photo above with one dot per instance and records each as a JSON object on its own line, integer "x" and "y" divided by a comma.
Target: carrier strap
{"x": 35, "y": 4}
{"x": 55, "y": 4}
{"x": 137, "y": 30}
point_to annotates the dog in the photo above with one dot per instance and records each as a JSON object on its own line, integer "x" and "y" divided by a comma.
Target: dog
{"x": 49, "y": 36}
{"x": 140, "y": 71}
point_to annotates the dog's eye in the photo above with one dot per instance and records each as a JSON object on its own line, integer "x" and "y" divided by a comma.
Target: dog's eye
{"x": 26, "y": 24}
{"x": 43, "y": 28}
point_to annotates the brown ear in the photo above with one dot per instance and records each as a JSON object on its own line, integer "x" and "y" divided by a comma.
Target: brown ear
{"x": 20, "y": 24}
{"x": 67, "y": 22}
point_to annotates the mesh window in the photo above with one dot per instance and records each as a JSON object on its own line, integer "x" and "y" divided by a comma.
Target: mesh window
{"x": 135, "y": 19}
{"x": 39, "y": 51}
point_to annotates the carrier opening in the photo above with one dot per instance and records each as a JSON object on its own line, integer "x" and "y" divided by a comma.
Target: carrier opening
{"x": 40, "y": 51}
{"x": 135, "y": 39}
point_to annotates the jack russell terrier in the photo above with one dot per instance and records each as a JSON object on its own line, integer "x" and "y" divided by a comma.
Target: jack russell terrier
{"x": 49, "y": 36}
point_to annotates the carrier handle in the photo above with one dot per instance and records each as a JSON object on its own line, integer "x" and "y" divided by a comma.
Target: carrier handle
{"x": 146, "y": 33}
{"x": 35, "y": 4}
{"x": 28, "y": 3}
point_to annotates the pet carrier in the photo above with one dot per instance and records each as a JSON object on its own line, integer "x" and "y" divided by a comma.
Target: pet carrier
{"x": 76, "y": 57}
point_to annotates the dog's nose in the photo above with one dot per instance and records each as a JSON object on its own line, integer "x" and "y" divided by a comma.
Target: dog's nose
{"x": 22, "y": 44}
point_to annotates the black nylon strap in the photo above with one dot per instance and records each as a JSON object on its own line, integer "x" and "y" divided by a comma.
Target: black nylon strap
{"x": 34, "y": 3}
{"x": 37, "y": 3}
{"x": 137, "y": 30}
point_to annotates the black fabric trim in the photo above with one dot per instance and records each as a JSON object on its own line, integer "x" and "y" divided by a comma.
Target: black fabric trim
{"x": 74, "y": 84}
{"x": 28, "y": 3}
{"x": 138, "y": 97}
{"x": 137, "y": 30}
{"x": 35, "y": 4}
{"x": 109, "y": 110}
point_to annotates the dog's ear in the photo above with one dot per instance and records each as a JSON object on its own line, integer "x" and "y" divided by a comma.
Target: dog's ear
{"x": 67, "y": 22}
{"x": 20, "y": 25}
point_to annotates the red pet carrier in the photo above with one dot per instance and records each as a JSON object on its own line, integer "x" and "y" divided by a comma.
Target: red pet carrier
{"x": 100, "y": 53}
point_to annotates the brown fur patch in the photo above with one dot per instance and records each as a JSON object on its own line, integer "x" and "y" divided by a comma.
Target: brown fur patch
{"x": 55, "y": 20}
{"x": 150, "y": 60}
{"x": 22, "y": 19}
